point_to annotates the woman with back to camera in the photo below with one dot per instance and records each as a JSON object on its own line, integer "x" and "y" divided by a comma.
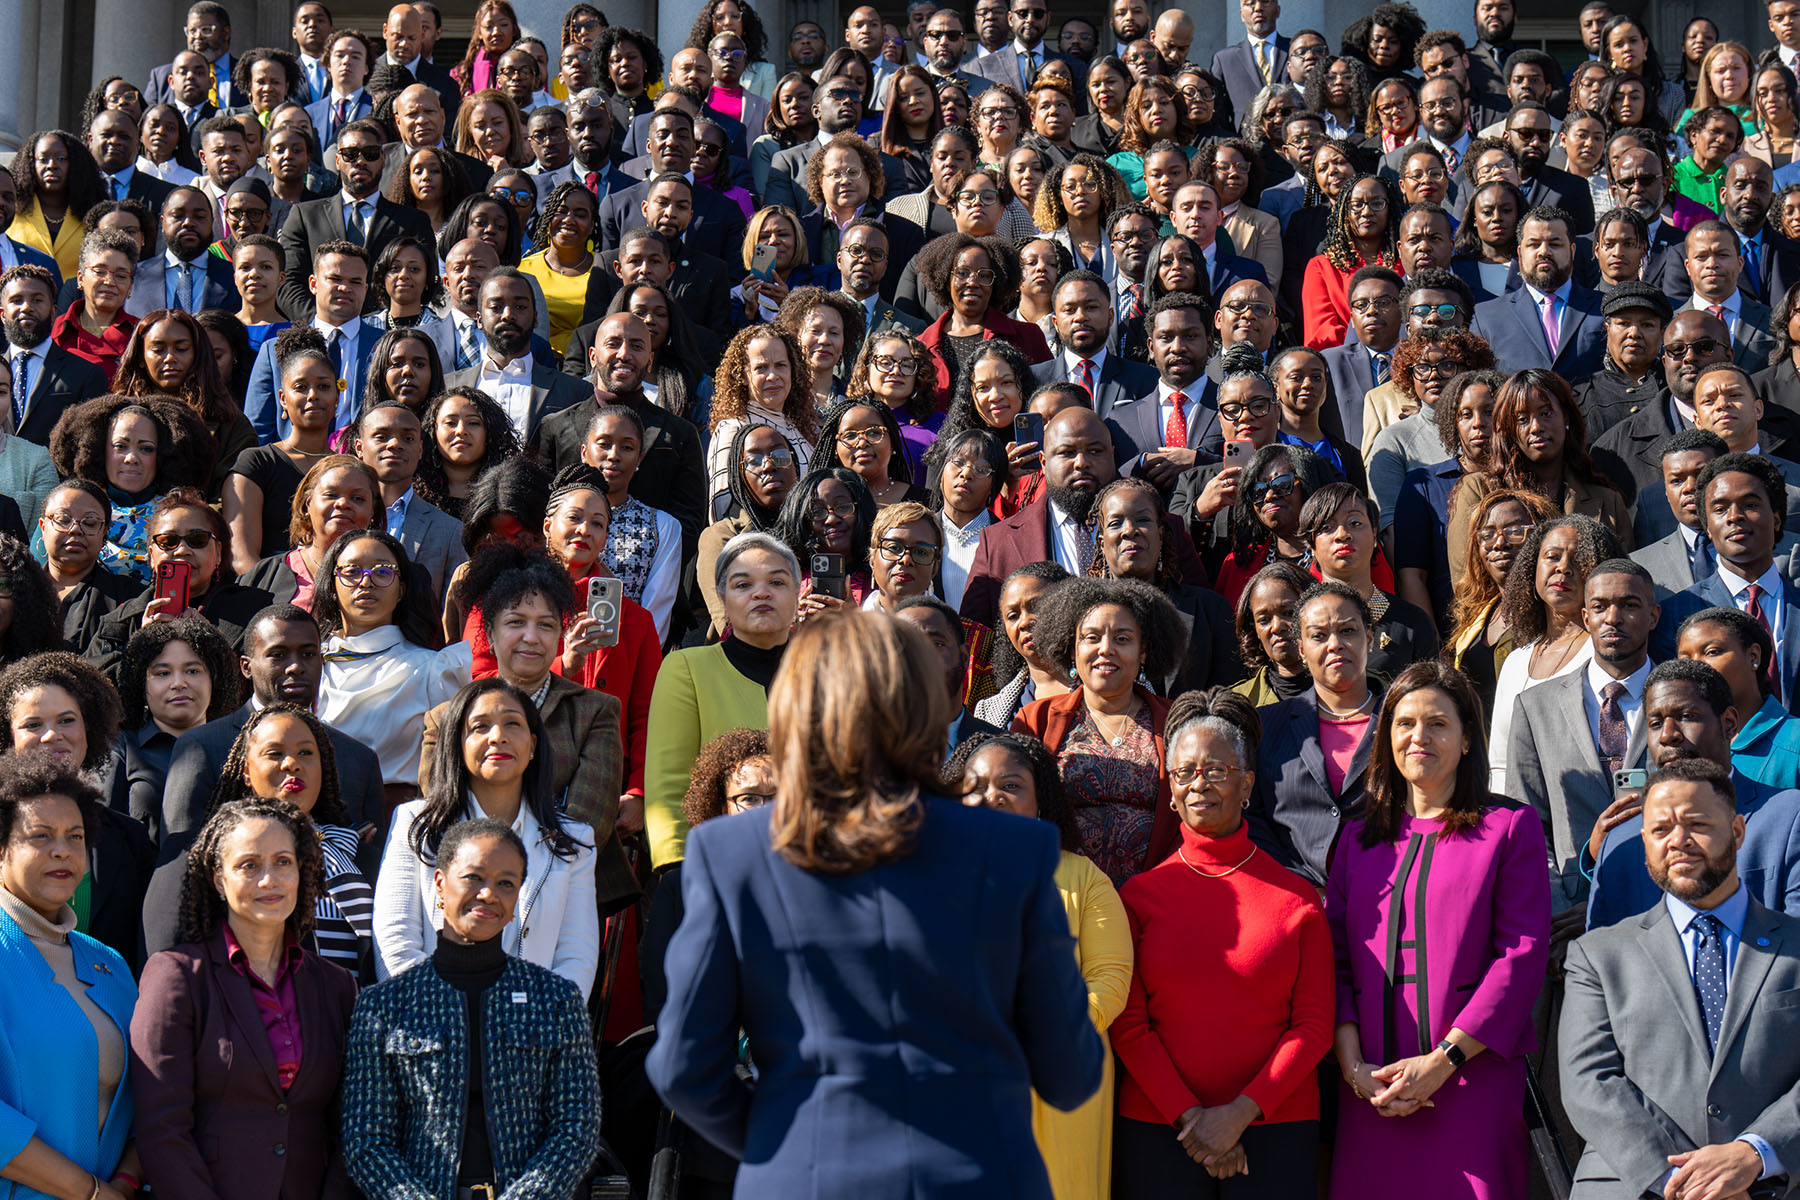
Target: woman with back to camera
{"x": 1015, "y": 774}
{"x": 857, "y": 829}
{"x": 1220, "y": 920}
{"x": 1440, "y": 911}
{"x": 212, "y": 1088}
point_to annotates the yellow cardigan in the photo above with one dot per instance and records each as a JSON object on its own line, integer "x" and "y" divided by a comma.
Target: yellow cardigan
{"x": 698, "y": 696}
{"x": 29, "y": 229}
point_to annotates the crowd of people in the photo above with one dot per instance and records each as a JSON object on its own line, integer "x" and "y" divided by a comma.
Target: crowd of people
{"x": 519, "y": 574}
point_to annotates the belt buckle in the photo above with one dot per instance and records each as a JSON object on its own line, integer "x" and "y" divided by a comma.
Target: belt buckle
{"x": 485, "y": 1191}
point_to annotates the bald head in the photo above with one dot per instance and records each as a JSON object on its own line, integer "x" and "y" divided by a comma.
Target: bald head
{"x": 1173, "y": 37}
{"x": 403, "y": 32}
{"x": 1078, "y": 458}
{"x": 621, "y": 353}
{"x": 1690, "y": 332}
{"x": 419, "y": 114}
{"x": 467, "y": 264}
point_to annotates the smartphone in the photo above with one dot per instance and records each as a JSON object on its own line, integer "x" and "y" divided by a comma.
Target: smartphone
{"x": 828, "y": 576}
{"x": 172, "y": 579}
{"x": 605, "y": 604}
{"x": 762, "y": 262}
{"x": 1629, "y": 781}
{"x": 1238, "y": 452}
{"x": 1028, "y": 427}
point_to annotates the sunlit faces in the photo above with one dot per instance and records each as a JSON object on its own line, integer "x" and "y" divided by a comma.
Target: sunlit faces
{"x": 282, "y": 761}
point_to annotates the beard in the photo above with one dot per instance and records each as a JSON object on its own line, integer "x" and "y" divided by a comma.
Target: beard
{"x": 26, "y": 333}
{"x": 1077, "y": 503}
{"x": 510, "y": 339}
{"x": 1718, "y": 869}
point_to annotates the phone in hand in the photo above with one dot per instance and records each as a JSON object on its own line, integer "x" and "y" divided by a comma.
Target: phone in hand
{"x": 605, "y": 604}
{"x": 1028, "y": 427}
{"x": 1238, "y": 452}
{"x": 1631, "y": 780}
{"x": 172, "y": 579}
{"x": 828, "y": 576}
{"x": 762, "y": 263}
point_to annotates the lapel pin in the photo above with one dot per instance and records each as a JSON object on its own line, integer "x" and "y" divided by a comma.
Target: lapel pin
{"x": 1762, "y": 941}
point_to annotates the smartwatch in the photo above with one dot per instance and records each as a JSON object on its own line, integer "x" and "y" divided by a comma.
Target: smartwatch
{"x": 1453, "y": 1052}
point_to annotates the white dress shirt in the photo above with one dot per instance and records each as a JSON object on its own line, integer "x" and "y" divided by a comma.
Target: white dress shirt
{"x": 351, "y": 397}
{"x": 1165, "y": 407}
{"x": 169, "y": 172}
{"x": 1072, "y": 364}
{"x": 1730, "y": 309}
{"x": 1068, "y": 538}
{"x": 1773, "y": 608}
{"x": 960, "y": 544}
{"x": 377, "y": 687}
{"x": 1631, "y": 704}
{"x": 510, "y": 386}
{"x": 34, "y": 370}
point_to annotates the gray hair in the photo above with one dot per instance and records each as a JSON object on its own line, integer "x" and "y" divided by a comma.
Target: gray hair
{"x": 1251, "y": 127}
{"x": 741, "y": 544}
{"x": 100, "y": 241}
{"x": 586, "y": 98}
{"x": 1230, "y": 730}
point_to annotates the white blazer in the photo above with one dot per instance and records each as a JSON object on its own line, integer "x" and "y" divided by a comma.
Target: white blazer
{"x": 556, "y": 924}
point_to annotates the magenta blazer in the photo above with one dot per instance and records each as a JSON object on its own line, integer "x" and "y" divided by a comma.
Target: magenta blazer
{"x": 1486, "y": 929}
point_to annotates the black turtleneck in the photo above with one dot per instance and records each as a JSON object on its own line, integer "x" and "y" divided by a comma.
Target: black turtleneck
{"x": 752, "y": 662}
{"x": 1287, "y": 687}
{"x": 471, "y": 970}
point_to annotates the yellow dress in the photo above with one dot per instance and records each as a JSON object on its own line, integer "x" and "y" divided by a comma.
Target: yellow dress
{"x": 565, "y": 294}
{"x": 1077, "y": 1146}
{"x": 28, "y": 229}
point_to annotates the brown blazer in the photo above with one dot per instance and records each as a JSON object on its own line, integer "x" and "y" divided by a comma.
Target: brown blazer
{"x": 212, "y": 1122}
{"x": 587, "y": 756}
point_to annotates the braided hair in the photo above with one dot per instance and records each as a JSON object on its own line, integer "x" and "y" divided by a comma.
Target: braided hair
{"x": 1340, "y": 247}
{"x": 538, "y": 228}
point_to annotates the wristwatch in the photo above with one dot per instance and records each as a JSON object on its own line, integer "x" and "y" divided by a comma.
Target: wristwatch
{"x": 1453, "y": 1052}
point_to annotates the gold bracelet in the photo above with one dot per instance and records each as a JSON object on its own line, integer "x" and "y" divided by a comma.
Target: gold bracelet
{"x": 95, "y": 1194}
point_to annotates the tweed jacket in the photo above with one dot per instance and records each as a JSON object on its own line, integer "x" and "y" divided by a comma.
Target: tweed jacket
{"x": 405, "y": 1085}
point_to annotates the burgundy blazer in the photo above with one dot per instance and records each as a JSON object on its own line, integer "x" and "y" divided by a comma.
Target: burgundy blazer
{"x": 1024, "y": 538}
{"x": 212, "y": 1122}
{"x": 1028, "y": 338}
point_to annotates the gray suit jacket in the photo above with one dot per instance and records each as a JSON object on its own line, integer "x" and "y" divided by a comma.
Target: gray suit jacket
{"x": 1352, "y": 378}
{"x": 149, "y": 285}
{"x": 551, "y": 392}
{"x": 433, "y": 540}
{"x": 1553, "y": 765}
{"x": 1637, "y": 1079}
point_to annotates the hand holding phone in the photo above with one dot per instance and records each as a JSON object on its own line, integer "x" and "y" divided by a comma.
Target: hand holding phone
{"x": 1238, "y": 451}
{"x": 605, "y": 605}
{"x": 170, "y": 586}
{"x": 828, "y": 576}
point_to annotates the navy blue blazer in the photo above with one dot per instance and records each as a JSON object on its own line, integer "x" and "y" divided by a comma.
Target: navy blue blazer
{"x": 1515, "y": 330}
{"x": 1293, "y": 814}
{"x": 1235, "y": 268}
{"x": 1121, "y": 380}
{"x": 1711, "y": 592}
{"x": 323, "y": 112}
{"x": 906, "y": 1011}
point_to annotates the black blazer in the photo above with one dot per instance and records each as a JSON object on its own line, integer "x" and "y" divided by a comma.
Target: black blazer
{"x": 1213, "y": 657}
{"x": 93, "y": 599}
{"x": 474, "y": 170}
{"x": 149, "y": 191}
{"x": 63, "y": 382}
{"x": 312, "y": 223}
{"x": 575, "y": 360}
{"x": 120, "y": 862}
{"x": 1628, "y": 454}
{"x": 1292, "y": 813}
{"x": 1405, "y": 634}
{"x": 672, "y": 475}
{"x": 717, "y": 229}
{"x": 228, "y": 609}
{"x": 551, "y": 392}
{"x": 701, "y": 285}
{"x": 1121, "y": 380}
{"x": 438, "y": 79}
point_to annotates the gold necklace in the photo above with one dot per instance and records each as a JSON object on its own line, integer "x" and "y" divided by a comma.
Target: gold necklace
{"x": 1208, "y": 874}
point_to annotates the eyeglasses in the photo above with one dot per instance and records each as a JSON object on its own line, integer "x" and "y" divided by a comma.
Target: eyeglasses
{"x": 979, "y": 196}
{"x": 1278, "y": 488}
{"x": 923, "y": 554}
{"x": 1444, "y": 312}
{"x": 1447, "y": 368}
{"x": 1373, "y": 304}
{"x": 887, "y": 364}
{"x": 1236, "y": 411}
{"x": 1197, "y": 93}
{"x": 516, "y": 196}
{"x": 1427, "y": 175}
{"x": 873, "y": 436}
{"x": 1211, "y": 772}
{"x": 1140, "y": 238}
{"x": 844, "y": 175}
{"x": 193, "y": 539}
{"x": 843, "y": 510}
{"x": 984, "y": 276}
{"x": 989, "y": 114}
{"x": 244, "y": 211}
{"x": 108, "y": 275}
{"x": 866, "y": 253}
{"x": 1443, "y": 106}
{"x": 359, "y": 153}
{"x": 742, "y": 801}
{"x": 1254, "y": 308}
{"x": 1679, "y": 350}
{"x": 974, "y": 466}
{"x": 738, "y": 53}
{"x": 1506, "y": 535}
{"x": 1368, "y": 204}
{"x": 69, "y": 524}
{"x": 381, "y": 578}
{"x": 774, "y": 460}
{"x": 516, "y": 72}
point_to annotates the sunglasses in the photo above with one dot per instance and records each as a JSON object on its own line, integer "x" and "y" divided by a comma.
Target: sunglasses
{"x": 1278, "y": 488}
{"x": 515, "y": 196}
{"x": 360, "y": 154}
{"x": 1679, "y": 350}
{"x": 193, "y": 539}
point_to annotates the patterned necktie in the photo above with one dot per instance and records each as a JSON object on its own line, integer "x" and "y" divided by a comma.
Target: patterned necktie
{"x": 1382, "y": 364}
{"x": 1084, "y": 375}
{"x": 1552, "y": 324}
{"x": 1612, "y": 740}
{"x": 468, "y": 346}
{"x": 1175, "y": 432}
{"x": 1262, "y": 61}
{"x": 1134, "y": 301}
{"x": 185, "y": 288}
{"x": 1452, "y": 159}
{"x": 1709, "y": 974}
{"x": 21, "y": 386}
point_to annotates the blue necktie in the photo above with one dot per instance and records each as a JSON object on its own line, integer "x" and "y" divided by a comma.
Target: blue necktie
{"x": 186, "y": 288}
{"x": 334, "y": 343}
{"x": 1700, "y": 558}
{"x": 21, "y": 386}
{"x": 1709, "y": 973}
{"x": 1379, "y": 366}
{"x": 1753, "y": 265}
{"x": 117, "y": 187}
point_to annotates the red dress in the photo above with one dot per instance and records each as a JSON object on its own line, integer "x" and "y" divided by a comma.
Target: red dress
{"x": 104, "y": 350}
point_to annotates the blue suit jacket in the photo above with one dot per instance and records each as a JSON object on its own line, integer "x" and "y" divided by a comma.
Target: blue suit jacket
{"x": 1710, "y": 592}
{"x": 1768, "y": 862}
{"x": 906, "y": 1011}
{"x": 37, "y": 258}
{"x": 264, "y": 409}
{"x": 321, "y": 112}
{"x": 1235, "y": 268}
{"x": 1515, "y": 330}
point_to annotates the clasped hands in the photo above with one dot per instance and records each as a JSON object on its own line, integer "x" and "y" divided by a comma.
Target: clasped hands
{"x": 1211, "y": 1136}
{"x": 1402, "y": 1087}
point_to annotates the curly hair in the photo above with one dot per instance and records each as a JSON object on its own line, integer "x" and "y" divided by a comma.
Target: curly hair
{"x": 801, "y": 302}
{"x": 962, "y": 415}
{"x": 1167, "y": 575}
{"x": 713, "y": 767}
{"x": 385, "y": 264}
{"x": 1053, "y": 802}
{"x": 646, "y": 45}
{"x": 502, "y": 442}
{"x": 1470, "y": 349}
{"x": 517, "y": 488}
{"x": 1315, "y": 86}
{"x": 731, "y": 382}
{"x": 457, "y": 187}
{"x": 203, "y": 909}
{"x": 539, "y": 226}
{"x": 203, "y": 390}
{"x": 234, "y": 776}
{"x": 36, "y": 620}
{"x": 1133, "y": 136}
{"x": 208, "y": 645}
{"x": 826, "y": 451}
{"x": 815, "y": 173}
{"x": 1047, "y": 210}
{"x": 794, "y": 526}
{"x": 504, "y": 574}
{"x": 1445, "y": 414}
{"x": 184, "y": 449}
{"x": 242, "y": 64}
{"x": 755, "y": 38}
{"x": 85, "y": 187}
{"x": 924, "y": 402}
{"x": 94, "y": 103}
{"x": 1477, "y": 590}
{"x": 935, "y": 261}
{"x": 93, "y": 695}
{"x": 1339, "y": 247}
{"x": 413, "y": 620}
{"x": 1510, "y": 466}
{"x": 1250, "y": 126}
{"x": 1249, "y": 644}
{"x": 1061, "y": 612}
{"x": 1248, "y": 533}
{"x": 1523, "y": 610}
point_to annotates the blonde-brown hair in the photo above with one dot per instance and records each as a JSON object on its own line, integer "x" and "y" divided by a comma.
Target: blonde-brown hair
{"x": 857, "y": 716}
{"x": 1477, "y": 590}
{"x": 895, "y": 515}
{"x": 300, "y": 530}
{"x": 518, "y": 153}
{"x": 731, "y": 382}
{"x": 1704, "y": 96}
{"x": 802, "y": 256}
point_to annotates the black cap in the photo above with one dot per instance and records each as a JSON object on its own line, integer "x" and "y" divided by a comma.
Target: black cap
{"x": 1635, "y": 293}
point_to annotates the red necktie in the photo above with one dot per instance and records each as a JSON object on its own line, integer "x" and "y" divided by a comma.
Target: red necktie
{"x": 1175, "y": 432}
{"x": 592, "y": 179}
{"x": 1753, "y": 605}
{"x": 1086, "y": 378}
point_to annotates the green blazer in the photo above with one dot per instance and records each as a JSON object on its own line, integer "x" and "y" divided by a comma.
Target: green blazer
{"x": 698, "y": 696}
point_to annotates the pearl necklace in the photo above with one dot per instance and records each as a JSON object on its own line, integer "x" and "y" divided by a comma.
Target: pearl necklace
{"x": 1209, "y": 875}
{"x": 1335, "y": 715}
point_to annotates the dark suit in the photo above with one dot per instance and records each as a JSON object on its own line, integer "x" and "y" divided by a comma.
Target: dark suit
{"x": 63, "y": 382}
{"x": 1137, "y": 424}
{"x": 1352, "y": 378}
{"x": 1629, "y": 453}
{"x": 1778, "y": 268}
{"x": 438, "y": 79}
{"x": 1779, "y": 385}
{"x": 1213, "y": 657}
{"x": 312, "y": 223}
{"x": 158, "y": 92}
{"x": 1293, "y": 814}
{"x": 787, "y": 176}
{"x": 478, "y": 173}
{"x": 215, "y": 288}
{"x": 990, "y": 1007}
{"x": 1752, "y": 340}
{"x": 672, "y": 475}
{"x": 717, "y": 228}
{"x": 701, "y": 285}
{"x": 212, "y": 1117}
{"x": 636, "y": 139}
{"x": 1120, "y": 379}
{"x": 1514, "y": 328}
{"x": 1711, "y": 592}
{"x": 147, "y": 190}
{"x": 1002, "y": 66}
{"x": 1236, "y": 65}
{"x": 1228, "y": 269}
{"x": 551, "y": 392}
{"x": 1554, "y": 186}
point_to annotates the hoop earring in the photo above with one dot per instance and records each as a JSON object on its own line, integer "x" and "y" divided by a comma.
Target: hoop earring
{"x": 1173, "y": 807}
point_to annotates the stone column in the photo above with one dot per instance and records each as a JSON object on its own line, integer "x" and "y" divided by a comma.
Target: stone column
{"x": 14, "y": 83}
{"x": 132, "y": 36}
